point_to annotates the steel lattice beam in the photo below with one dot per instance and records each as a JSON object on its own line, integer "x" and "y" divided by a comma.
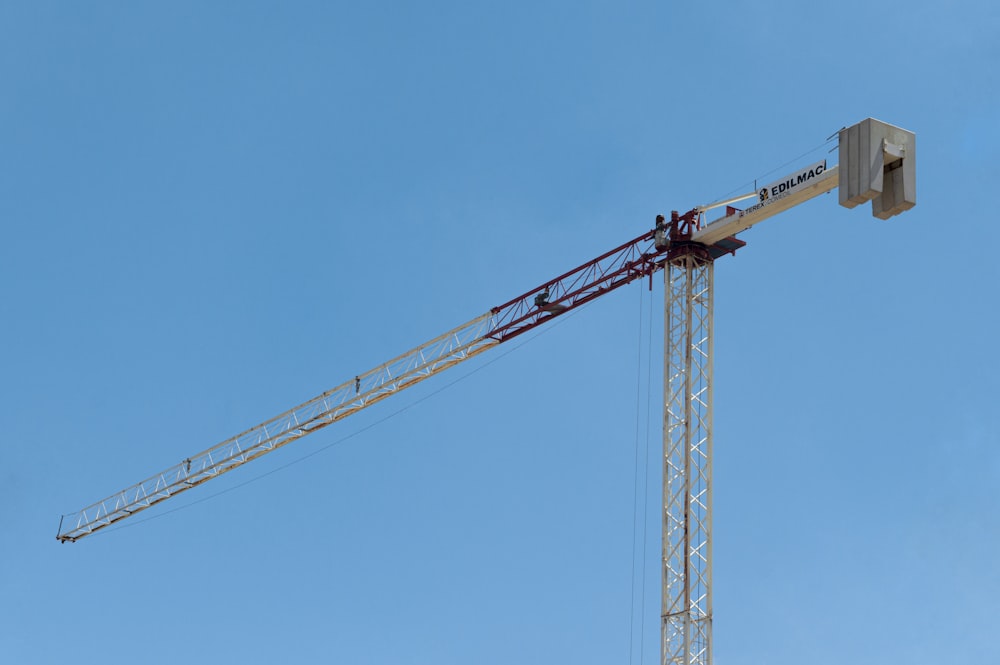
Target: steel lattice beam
{"x": 635, "y": 259}
{"x": 362, "y": 391}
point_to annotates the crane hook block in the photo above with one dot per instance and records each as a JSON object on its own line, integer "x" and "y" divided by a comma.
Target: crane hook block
{"x": 878, "y": 164}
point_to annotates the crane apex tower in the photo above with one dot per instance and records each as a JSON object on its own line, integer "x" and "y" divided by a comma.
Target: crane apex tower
{"x": 878, "y": 164}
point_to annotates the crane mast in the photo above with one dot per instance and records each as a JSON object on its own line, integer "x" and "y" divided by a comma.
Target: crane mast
{"x": 877, "y": 164}
{"x": 686, "y": 602}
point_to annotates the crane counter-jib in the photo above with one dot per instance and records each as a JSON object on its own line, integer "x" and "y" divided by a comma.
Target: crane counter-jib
{"x": 772, "y": 199}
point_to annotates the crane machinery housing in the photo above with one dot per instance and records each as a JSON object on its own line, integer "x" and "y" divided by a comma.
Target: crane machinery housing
{"x": 876, "y": 163}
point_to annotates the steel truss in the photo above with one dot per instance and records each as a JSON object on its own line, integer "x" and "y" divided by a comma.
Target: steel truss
{"x": 686, "y": 618}
{"x": 438, "y": 354}
{"x": 637, "y": 258}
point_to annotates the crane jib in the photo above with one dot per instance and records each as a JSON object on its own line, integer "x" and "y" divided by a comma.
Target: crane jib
{"x": 640, "y": 257}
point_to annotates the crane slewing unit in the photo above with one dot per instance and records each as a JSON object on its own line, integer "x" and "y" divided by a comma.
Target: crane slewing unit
{"x": 877, "y": 164}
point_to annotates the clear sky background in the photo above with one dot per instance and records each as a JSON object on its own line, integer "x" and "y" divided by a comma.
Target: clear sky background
{"x": 213, "y": 212}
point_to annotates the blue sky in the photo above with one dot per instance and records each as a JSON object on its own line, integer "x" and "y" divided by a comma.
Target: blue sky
{"x": 213, "y": 212}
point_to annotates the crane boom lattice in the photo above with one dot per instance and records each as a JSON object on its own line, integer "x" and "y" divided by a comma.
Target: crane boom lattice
{"x": 640, "y": 257}
{"x": 336, "y": 404}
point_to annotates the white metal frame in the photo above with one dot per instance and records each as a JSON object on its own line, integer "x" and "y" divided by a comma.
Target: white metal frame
{"x": 686, "y": 617}
{"x": 350, "y": 397}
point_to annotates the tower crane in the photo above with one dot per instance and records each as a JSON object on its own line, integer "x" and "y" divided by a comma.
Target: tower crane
{"x": 876, "y": 163}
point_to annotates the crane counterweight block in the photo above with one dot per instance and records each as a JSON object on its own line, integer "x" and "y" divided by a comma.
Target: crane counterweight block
{"x": 878, "y": 164}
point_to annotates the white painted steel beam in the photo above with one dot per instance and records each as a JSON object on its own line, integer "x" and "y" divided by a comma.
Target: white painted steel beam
{"x": 770, "y": 206}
